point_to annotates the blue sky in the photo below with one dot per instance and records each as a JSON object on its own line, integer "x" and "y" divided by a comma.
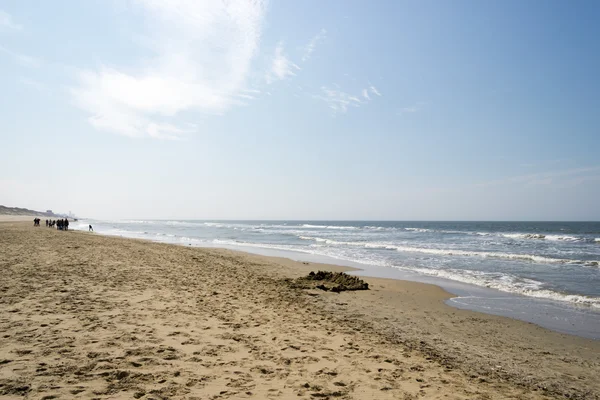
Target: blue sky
{"x": 418, "y": 110}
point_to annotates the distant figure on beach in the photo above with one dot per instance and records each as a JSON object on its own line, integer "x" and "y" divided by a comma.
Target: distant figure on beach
{"x": 66, "y": 224}
{"x": 47, "y": 223}
{"x": 91, "y": 229}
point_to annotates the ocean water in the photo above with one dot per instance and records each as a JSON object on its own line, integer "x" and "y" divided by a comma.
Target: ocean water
{"x": 558, "y": 262}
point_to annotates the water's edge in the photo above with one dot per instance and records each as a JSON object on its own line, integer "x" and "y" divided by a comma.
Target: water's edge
{"x": 553, "y": 315}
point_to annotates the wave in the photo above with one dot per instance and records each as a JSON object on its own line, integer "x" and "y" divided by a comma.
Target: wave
{"x": 260, "y": 245}
{"x": 540, "y": 236}
{"x": 510, "y": 284}
{"x": 423, "y": 230}
{"x": 316, "y": 239}
{"x": 564, "y": 238}
{"x": 514, "y": 235}
{"x": 523, "y": 235}
{"x": 341, "y": 227}
{"x": 487, "y": 254}
{"x": 457, "y": 252}
{"x": 451, "y": 232}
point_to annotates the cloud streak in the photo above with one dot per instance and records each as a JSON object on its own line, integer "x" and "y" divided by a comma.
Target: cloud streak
{"x": 21, "y": 59}
{"x": 418, "y": 106}
{"x": 340, "y": 102}
{"x": 311, "y": 46}
{"x": 7, "y": 23}
{"x": 281, "y": 66}
{"x": 202, "y": 53}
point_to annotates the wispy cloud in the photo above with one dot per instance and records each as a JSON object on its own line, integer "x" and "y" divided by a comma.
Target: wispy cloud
{"x": 7, "y": 23}
{"x": 281, "y": 66}
{"x": 310, "y": 47}
{"x": 374, "y": 90}
{"x": 365, "y": 94}
{"x": 339, "y": 101}
{"x": 418, "y": 106}
{"x": 202, "y": 53}
{"x": 21, "y": 59}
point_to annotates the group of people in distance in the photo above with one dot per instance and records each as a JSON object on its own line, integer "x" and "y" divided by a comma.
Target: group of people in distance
{"x": 61, "y": 224}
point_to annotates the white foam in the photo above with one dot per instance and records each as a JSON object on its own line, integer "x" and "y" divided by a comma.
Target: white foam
{"x": 539, "y": 236}
{"x": 260, "y": 245}
{"x": 457, "y": 252}
{"x": 510, "y": 284}
{"x": 340, "y": 227}
{"x": 316, "y": 239}
{"x": 563, "y": 238}
{"x": 523, "y": 235}
{"x": 214, "y": 224}
{"x": 422, "y": 230}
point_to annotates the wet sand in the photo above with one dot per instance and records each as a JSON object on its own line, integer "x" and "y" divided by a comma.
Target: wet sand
{"x": 90, "y": 316}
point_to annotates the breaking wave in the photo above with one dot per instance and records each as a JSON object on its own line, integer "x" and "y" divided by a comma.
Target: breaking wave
{"x": 456, "y": 252}
{"x": 510, "y": 284}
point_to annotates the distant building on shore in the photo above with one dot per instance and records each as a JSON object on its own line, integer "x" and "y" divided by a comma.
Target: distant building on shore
{"x": 49, "y": 212}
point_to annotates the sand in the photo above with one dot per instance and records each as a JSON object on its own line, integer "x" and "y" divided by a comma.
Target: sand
{"x": 89, "y": 316}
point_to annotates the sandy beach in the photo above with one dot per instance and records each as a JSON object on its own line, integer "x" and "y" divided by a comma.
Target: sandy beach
{"x": 90, "y": 316}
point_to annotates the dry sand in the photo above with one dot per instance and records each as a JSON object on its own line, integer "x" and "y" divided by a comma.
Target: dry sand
{"x": 88, "y": 316}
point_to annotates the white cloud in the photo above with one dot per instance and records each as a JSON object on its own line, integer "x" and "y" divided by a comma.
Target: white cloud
{"x": 374, "y": 90}
{"x": 418, "y": 106}
{"x": 281, "y": 66}
{"x": 339, "y": 101}
{"x": 202, "y": 55}
{"x": 7, "y": 23}
{"x": 310, "y": 47}
{"x": 365, "y": 94}
{"x": 22, "y": 59}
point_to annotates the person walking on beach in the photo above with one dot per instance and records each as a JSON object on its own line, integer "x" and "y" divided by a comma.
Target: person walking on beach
{"x": 91, "y": 229}
{"x": 66, "y": 224}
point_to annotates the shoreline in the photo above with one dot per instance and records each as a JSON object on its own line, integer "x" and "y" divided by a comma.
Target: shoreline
{"x": 407, "y": 321}
{"x": 557, "y": 315}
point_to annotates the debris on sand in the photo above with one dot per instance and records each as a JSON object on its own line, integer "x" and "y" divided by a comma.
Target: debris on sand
{"x": 330, "y": 281}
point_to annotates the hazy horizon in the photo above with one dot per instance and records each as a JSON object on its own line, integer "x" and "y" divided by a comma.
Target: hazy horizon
{"x": 392, "y": 111}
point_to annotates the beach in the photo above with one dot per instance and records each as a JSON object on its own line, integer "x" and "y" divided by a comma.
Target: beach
{"x": 90, "y": 316}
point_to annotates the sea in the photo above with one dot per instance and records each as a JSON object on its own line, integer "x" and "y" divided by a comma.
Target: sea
{"x": 547, "y": 273}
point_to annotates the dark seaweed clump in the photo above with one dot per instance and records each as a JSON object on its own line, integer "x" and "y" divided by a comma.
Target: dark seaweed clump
{"x": 331, "y": 281}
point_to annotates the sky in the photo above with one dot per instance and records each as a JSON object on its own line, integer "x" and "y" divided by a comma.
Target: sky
{"x": 355, "y": 110}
